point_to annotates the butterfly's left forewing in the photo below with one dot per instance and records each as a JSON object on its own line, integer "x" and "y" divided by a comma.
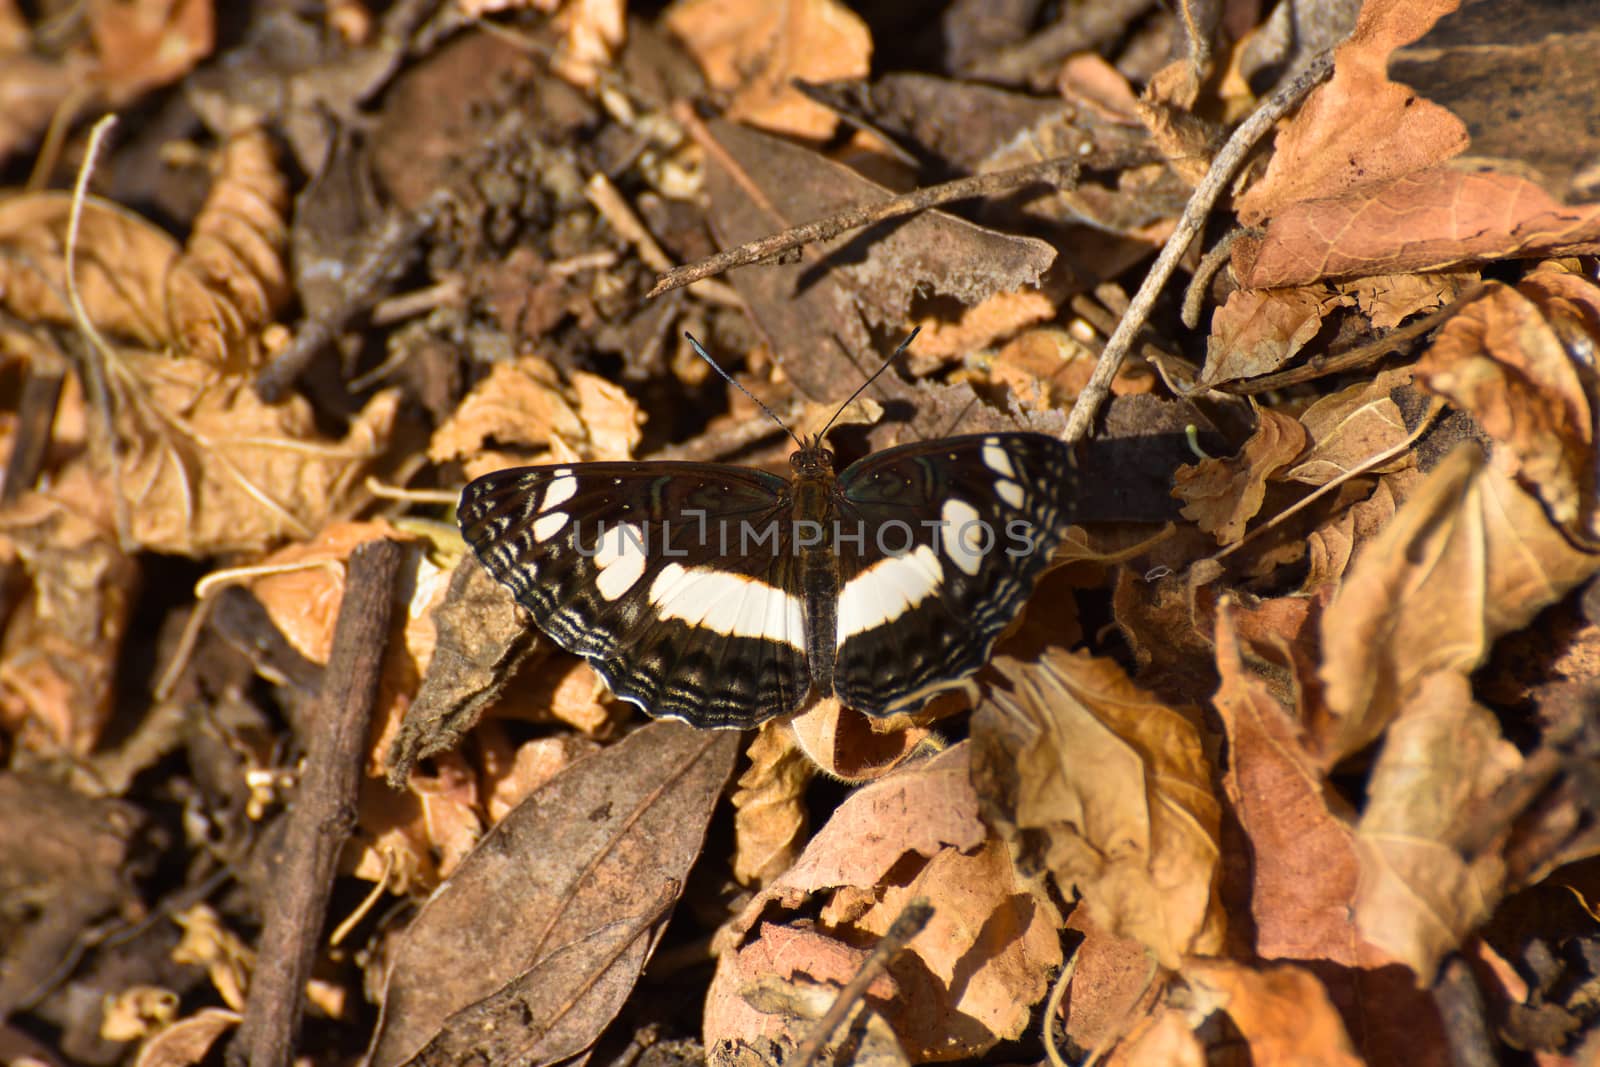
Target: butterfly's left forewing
{"x": 673, "y": 579}
{"x": 939, "y": 546}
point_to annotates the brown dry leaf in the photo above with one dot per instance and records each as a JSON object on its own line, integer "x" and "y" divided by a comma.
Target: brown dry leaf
{"x": 187, "y": 1042}
{"x": 531, "y": 947}
{"x": 756, "y": 51}
{"x": 999, "y": 316}
{"x": 1305, "y": 866}
{"x": 1503, "y": 360}
{"x": 1165, "y": 1039}
{"x": 1099, "y": 783}
{"x": 1350, "y": 427}
{"x": 1360, "y": 128}
{"x": 232, "y": 279}
{"x": 1419, "y": 898}
{"x": 850, "y": 746}
{"x": 136, "y": 1012}
{"x": 1388, "y": 299}
{"x": 1469, "y": 557}
{"x": 816, "y": 311}
{"x": 1430, "y": 220}
{"x": 1283, "y": 1012}
{"x": 144, "y": 44}
{"x": 1259, "y": 330}
{"x": 123, "y": 263}
{"x": 207, "y": 467}
{"x": 63, "y": 634}
{"x": 1331, "y": 546}
{"x": 525, "y": 403}
{"x": 769, "y": 807}
{"x": 207, "y": 942}
{"x": 1111, "y": 977}
{"x": 32, "y": 91}
{"x": 592, "y": 33}
{"x": 1223, "y": 495}
{"x": 967, "y": 981}
{"x": 411, "y": 840}
{"x": 510, "y": 777}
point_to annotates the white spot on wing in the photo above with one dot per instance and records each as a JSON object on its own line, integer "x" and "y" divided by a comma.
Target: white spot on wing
{"x": 730, "y": 604}
{"x": 995, "y": 458}
{"x": 620, "y": 557}
{"x": 560, "y": 489}
{"x": 886, "y": 590}
{"x": 964, "y": 536}
{"x": 548, "y": 525}
{"x": 1010, "y": 492}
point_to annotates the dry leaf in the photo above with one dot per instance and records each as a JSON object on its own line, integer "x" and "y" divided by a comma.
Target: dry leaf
{"x": 1283, "y": 1013}
{"x": 965, "y": 982}
{"x": 1258, "y": 331}
{"x": 1163, "y": 1040}
{"x": 1419, "y": 897}
{"x": 1223, "y": 495}
{"x": 1097, "y": 782}
{"x": 1468, "y": 558}
{"x": 769, "y": 806}
{"x": 208, "y": 943}
{"x": 1502, "y": 359}
{"x": 756, "y": 51}
{"x": 143, "y": 44}
{"x": 1305, "y": 866}
{"x": 187, "y": 1042}
{"x": 543, "y": 929}
{"x": 1350, "y": 427}
{"x": 137, "y": 1012}
{"x": 1389, "y": 299}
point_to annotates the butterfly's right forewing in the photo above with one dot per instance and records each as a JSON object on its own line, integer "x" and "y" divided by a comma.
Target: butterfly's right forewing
{"x": 675, "y": 580}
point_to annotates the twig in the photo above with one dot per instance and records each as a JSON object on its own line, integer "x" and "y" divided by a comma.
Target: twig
{"x": 99, "y": 353}
{"x": 386, "y": 251}
{"x": 1052, "y": 1008}
{"x": 323, "y": 813}
{"x": 1055, "y": 172}
{"x": 908, "y": 925}
{"x": 1082, "y": 28}
{"x": 1322, "y": 366}
{"x": 614, "y": 207}
{"x": 36, "y": 415}
{"x": 1210, "y": 263}
{"x": 1206, "y": 194}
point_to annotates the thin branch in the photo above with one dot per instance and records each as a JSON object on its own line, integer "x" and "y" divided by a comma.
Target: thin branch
{"x": 908, "y": 925}
{"x": 1059, "y": 173}
{"x": 323, "y": 814}
{"x": 1206, "y": 195}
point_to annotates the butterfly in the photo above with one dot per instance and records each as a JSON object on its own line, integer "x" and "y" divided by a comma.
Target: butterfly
{"x": 725, "y": 596}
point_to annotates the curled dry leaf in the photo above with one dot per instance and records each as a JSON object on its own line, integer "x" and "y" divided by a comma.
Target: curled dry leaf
{"x": 769, "y": 806}
{"x": 526, "y": 403}
{"x": 851, "y": 747}
{"x": 410, "y": 841}
{"x": 187, "y": 1042}
{"x": 1419, "y": 897}
{"x": 1107, "y": 789}
{"x": 231, "y": 279}
{"x": 1505, "y": 358}
{"x": 1165, "y": 1039}
{"x": 207, "y": 467}
{"x": 535, "y": 942}
{"x": 63, "y": 634}
{"x": 967, "y": 981}
{"x": 1283, "y": 1013}
{"x": 1305, "y": 866}
{"x": 1469, "y": 557}
{"x": 1223, "y": 495}
{"x": 1259, "y": 330}
{"x": 207, "y": 942}
{"x": 757, "y": 51}
{"x": 592, "y": 33}
{"x": 137, "y": 1012}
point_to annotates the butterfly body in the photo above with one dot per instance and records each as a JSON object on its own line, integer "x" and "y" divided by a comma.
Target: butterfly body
{"x": 725, "y": 596}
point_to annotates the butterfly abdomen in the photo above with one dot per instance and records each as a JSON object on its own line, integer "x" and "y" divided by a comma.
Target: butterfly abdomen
{"x": 814, "y": 515}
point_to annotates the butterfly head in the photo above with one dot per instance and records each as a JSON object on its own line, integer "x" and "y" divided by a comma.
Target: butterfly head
{"x": 811, "y": 458}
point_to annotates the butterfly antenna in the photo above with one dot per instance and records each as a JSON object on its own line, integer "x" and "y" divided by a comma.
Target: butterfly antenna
{"x": 912, "y": 336}
{"x": 700, "y": 351}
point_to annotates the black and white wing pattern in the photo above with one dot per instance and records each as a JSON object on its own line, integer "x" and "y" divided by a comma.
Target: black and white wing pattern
{"x": 639, "y": 568}
{"x": 956, "y": 533}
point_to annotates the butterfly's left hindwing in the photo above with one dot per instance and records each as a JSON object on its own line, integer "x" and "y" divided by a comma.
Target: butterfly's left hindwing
{"x": 630, "y": 565}
{"x": 941, "y": 544}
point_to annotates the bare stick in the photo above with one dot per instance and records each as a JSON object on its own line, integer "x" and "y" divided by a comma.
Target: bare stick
{"x": 1205, "y": 197}
{"x": 908, "y": 925}
{"x": 324, "y": 812}
{"x": 1059, "y": 173}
